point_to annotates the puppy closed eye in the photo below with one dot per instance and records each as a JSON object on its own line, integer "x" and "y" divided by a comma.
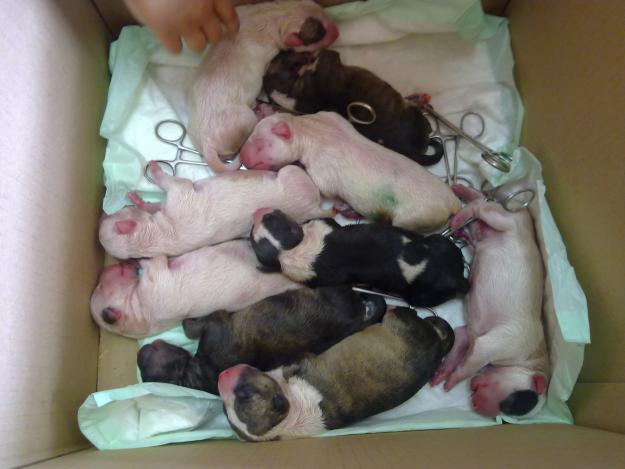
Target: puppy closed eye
{"x": 244, "y": 392}
{"x": 280, "y": 403}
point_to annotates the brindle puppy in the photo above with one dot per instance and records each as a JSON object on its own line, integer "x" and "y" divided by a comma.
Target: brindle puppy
{"x": 300, "y": 82}
{"x": 270, "y": 333}
{"x": 367, "y": 373}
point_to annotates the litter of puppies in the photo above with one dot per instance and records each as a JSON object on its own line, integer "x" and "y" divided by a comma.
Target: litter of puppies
{"x": 289, "y": 346}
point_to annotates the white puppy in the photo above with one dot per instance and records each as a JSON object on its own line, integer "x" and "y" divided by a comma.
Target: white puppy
{"x": 503, "y": 340}
{"x": 144, "y": 297}
{"x": 206, "y": 212}
{"x": 378, "y": 183}
{"x": 230, "y": 78}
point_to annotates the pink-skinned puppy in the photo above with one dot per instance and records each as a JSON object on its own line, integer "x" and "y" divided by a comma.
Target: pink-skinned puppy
{"x": 503, "y": 340}
{"x": 206, "y": 212}
{"x": 144, "y": 297}
{"x": 230, "y": 77}
{"x": 378, "y": 183}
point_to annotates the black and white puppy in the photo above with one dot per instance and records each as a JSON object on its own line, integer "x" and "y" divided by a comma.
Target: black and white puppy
{"x": 268, "y": 334}
{"x": 424, "y": 270}
{"x": 369, "y": 372}
{"x": 309, "y": 83}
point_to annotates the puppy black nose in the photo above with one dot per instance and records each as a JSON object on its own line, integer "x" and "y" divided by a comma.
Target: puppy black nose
{"x": 110, "y": 315}
{"x": 312, "y": 31}
{"x": 375, "y": 307}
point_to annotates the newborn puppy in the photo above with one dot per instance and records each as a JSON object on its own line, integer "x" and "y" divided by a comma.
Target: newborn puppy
{"x": 378, "y": 183}
{"x": 503, "y": 340}
{"x": 298, "y": 82}
{"x": 147, "y": 296}
{"x": 209, "y": 211}
{"x": 425, "y": 271}
{"x": 273, "y": 332}
{"x": 367, "y": 373}
{"x": 230, "y": 77}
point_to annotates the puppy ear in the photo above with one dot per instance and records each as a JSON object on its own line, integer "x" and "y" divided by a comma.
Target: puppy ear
{"x": 540, "y": 383}
{"x": 194, "y": 327}
{"x": 125, "y": 227}
{"x": 282, "y": 130}
{"x": 294, "y": 40}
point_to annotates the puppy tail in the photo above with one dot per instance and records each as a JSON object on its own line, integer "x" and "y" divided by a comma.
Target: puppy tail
{"x": 444, "y": 331}
{"x": 193, "y": 327}
{"x": 217, "y": 165}
{"x": 431, "y": 159}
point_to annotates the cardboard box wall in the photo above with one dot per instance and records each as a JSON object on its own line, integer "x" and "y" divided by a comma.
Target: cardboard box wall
{"x": 53, "y": 82}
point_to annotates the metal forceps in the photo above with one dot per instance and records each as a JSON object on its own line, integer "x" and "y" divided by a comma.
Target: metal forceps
{"x": 498, "y": 160}
{"x": 513, "y": 196}
{"x": 386, "y": 296}
{"x": 180, "y": 133}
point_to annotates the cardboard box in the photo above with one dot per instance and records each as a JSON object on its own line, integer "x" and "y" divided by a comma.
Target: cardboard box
{"x": 53, "y": 84}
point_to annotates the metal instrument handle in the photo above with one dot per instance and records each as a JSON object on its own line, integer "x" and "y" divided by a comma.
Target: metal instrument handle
{"x": 499, "y": 160}
{"x": 352, "y": 118}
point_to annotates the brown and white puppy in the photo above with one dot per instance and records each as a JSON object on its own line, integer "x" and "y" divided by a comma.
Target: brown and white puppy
{"x": 503, "y": 341}
{"x": 273, "y": 332}
{"x": 378, "y": 183}
{"x": 230, "y": 77}
{"x": 299, "y": 82}
{"x": 147, "y": 296}
{"x": 369, "y": 372}
{"x": 206, "y": 212}
{"x": 424, "y": 270}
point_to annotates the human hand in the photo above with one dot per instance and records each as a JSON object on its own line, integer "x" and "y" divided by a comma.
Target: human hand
{"x": 197, "y": 21}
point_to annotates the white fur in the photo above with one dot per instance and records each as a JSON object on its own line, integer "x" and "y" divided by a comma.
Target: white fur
{"x": 304, "y": 418}
{"x": 504, "y": 305}
{"x": 410, "y": 271}
{"x": 283, "y": 100}
{"x": 209, "y": 211}
{"x": 224, "y": 276}
{"x": 297, "y": 263}
{"x": 345, "y": 164}
{"x": 261, "y": 232}
{"x": 230, "y": 78}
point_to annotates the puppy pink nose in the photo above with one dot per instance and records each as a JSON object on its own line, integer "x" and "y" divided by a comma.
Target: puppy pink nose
{"x": 260, "y": 213}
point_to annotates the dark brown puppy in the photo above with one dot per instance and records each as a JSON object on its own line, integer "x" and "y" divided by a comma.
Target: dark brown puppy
{"x": 304, "y": 83}
{"x": 367, "y": 373}
{"x": 268, "y": 334}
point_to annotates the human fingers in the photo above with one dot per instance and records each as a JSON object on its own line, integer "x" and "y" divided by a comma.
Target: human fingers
{"x": 195, "y": 39}
{"x": 212, "y": 29}
{"x": 170, "y": 40}
{"x": 228, "y": 16}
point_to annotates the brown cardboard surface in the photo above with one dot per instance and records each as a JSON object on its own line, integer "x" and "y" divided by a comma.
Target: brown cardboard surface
{"x": 53, "y": 79}
{"x": 114, "y": 13}
{"x": 569, "y": 68}
{"x": 509, "y": 446}
{"x": 599, "y": 405}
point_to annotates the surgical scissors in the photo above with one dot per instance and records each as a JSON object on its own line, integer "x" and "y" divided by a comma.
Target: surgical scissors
{"x": 177, "y": 141}
{"x": 499, "y": 160}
